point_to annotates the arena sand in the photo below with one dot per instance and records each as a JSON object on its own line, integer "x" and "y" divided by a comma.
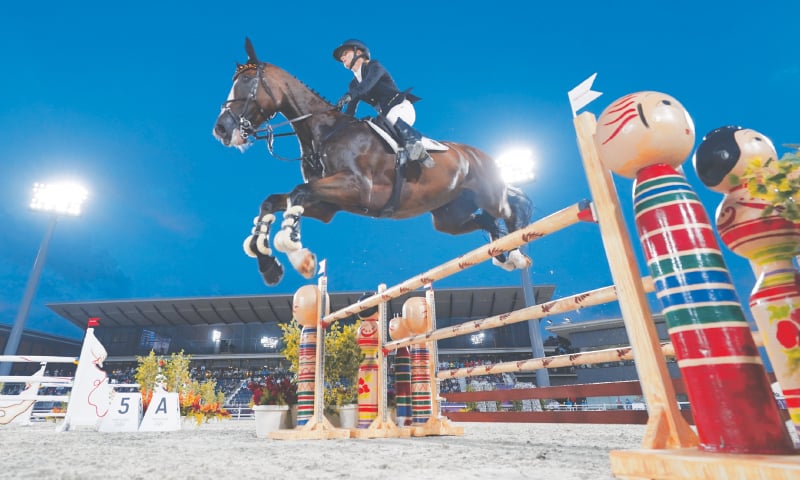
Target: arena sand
{"x": 230, "y": 450}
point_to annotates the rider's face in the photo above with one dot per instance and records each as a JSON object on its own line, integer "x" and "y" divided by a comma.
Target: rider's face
{"x": 346, "y": 57}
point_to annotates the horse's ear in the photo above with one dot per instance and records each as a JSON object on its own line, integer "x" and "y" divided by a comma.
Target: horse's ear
{"x": 251, "y": 52}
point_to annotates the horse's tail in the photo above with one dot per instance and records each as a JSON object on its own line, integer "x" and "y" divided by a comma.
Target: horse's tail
{"x": 521, "y": 206}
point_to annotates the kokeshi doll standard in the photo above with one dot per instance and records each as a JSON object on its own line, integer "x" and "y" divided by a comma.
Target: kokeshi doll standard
{"x": 304, "y": 309}
{"x": 647, "y": 136}
{"x": 770, "y": 242}
{"x": 402, "y": 372}
{"x": 368, "y": 375}
{"x": 415, "y": 312}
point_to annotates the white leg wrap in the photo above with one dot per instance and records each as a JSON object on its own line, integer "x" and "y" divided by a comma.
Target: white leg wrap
{"x": 261, "y": 231}
{"x": 247, "y": 250}
{"x": 291, "y": 220}
{"x": 294, "y": 210}
{"x": 284, "y": 243}
{"x": 262, "y": 244}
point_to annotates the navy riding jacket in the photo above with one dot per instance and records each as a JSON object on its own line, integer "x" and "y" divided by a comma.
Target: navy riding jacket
{"x": 377, "y": 88}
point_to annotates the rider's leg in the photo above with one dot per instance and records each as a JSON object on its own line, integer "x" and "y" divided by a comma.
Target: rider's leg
{"x": 402, "y": 116}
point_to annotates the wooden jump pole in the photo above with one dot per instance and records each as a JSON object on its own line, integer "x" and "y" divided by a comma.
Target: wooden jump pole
{"x": 558, "y": 361}
{"x": 545, "y": 226}
{"x": 561, "y": 305}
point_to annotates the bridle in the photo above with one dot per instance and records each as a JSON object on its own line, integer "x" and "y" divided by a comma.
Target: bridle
{"x": 246, "y": 129}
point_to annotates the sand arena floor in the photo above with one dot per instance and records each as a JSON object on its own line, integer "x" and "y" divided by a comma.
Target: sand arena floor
{"x": 230, "y": 450}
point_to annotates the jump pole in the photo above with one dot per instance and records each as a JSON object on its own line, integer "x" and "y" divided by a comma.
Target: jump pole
{"x": 565, "y": 304}
{"x": 554, "y": 222}
{"x": 558, "y": 361}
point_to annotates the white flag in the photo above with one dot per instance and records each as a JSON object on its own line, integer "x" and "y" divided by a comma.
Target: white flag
{"x": 322, "y": 267}
{"x": 582, "y": 95}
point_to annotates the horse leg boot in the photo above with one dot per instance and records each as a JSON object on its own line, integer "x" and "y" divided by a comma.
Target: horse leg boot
{"x": 288, "y": 241}
{"x": 412, "y": 141}
{"x": 256, "y": 245}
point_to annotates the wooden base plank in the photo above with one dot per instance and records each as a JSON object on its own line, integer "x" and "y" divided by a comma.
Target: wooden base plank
{"x": 436, "y": 427}
{"x": 312, "y": 430}
{"x": 380, "y": 429}
{"x": 692, "y": 463}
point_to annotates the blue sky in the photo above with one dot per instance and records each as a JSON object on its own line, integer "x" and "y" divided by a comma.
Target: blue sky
{"x": 124, "y": 96}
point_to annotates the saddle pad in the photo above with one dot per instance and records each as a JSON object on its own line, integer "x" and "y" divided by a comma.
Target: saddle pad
{"x": 430, "y": 144}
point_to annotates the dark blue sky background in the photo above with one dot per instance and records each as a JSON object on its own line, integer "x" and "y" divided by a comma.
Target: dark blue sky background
{"x": 123, "y": 96}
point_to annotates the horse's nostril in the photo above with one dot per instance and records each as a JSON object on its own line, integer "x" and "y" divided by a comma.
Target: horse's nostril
{"x": 219, "y": 129}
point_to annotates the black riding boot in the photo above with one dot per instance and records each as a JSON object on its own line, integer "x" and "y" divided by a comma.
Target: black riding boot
{"x": 411, "y": 140}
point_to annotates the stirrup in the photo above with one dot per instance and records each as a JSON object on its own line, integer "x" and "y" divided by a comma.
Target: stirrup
{"x": 416, "y": 151}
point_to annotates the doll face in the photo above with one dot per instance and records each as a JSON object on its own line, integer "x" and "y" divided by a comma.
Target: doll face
{"x": 368, "y": 329}
{"x": 643, "y": 129}
{"x": 398, "y": 328}
{"x": 304, "y": 306}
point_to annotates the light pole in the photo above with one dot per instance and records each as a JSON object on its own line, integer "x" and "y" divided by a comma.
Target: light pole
{"x": 55, "y": 199}
{"x": 517, "y": 167}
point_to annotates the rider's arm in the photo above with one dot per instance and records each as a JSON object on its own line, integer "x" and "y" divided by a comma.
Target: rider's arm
{"x": 372, "y": 73}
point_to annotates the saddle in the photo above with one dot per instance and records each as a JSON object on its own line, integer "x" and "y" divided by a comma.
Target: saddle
{"x": 382, "y": 128}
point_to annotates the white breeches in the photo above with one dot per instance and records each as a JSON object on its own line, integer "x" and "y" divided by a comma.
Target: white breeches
{"x": 404, "y": 110}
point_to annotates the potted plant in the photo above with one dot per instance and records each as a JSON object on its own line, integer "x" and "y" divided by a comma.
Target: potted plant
{"x": 272, "y": 397}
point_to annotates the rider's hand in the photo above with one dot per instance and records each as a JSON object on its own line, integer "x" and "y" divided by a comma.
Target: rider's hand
{"x": 346, "y": 98}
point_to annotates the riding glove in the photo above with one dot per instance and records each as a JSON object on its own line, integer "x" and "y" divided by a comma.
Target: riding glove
{"x": 346, "y": 98}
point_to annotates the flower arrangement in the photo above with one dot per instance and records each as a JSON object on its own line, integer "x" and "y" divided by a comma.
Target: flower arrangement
{"x": 342, "y": 358}
{"x": 776, "y": 182}
{"x": 274, "y": 390}
{"x": 201, "y": 401}
{"x": 197, "y": 400}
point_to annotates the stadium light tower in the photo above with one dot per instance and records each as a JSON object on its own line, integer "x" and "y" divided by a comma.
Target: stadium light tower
{"x": 55, "y": 199}
{"x": 517, "y": 167}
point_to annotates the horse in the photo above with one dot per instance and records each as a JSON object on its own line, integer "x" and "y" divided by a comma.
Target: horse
{"x": 347, "y": 166}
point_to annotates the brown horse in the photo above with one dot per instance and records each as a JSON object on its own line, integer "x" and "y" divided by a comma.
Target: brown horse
{"x": 348, "y": 166}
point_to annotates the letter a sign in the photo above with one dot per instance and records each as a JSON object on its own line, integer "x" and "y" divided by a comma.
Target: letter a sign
{"x": 163, "y": 414}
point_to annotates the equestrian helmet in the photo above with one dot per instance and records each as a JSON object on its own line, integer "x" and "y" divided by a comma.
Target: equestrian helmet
{"x": 351, "y": 44}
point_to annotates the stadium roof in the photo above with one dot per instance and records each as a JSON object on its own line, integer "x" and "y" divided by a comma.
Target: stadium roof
{"x": 467, "y": 303}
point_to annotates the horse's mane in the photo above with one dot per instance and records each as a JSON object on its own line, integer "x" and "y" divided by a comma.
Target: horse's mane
{"x": 309, "y": 87}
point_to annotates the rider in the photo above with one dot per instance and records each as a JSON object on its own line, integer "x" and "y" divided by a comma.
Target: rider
{"x": 373, "y": 84}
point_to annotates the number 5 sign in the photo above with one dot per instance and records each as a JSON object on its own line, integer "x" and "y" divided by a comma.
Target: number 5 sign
{"x": 125, "y": 413}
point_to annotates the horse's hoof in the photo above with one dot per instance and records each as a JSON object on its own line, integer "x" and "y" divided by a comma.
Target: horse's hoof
{"x": 304, "y": 262}
{"x": 519, "y": 259}
{"x": 271, "y": 270}
{"x": 507, "y": 266}
{"x": 283, "y": 242}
